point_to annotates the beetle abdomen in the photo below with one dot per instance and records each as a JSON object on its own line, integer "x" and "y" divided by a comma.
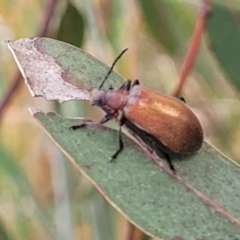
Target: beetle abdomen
{"x": 166, "y": 118}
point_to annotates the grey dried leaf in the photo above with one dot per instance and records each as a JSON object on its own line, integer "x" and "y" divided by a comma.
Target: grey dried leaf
{"x": 42, "y": 73}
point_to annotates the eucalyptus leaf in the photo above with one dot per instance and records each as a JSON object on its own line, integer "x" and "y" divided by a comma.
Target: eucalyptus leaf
{"x": 224, "y": 36}
{"x": 170, "y": 22}
{"x": 202, "y": 200}
{"x": 71, "y": 29}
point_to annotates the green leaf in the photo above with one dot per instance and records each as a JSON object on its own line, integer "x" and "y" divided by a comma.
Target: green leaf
{"x": 11, "y": 169}
{"x": 71, "y": 28}
{"x": 3, "y": 232}
{"x": 201, "y": 201}
{"x": 160, "y": 17}
{"x": 224, "y": 35}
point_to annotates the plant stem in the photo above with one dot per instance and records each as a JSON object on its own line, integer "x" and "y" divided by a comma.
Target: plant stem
{"x": 194, "y": 46}
{"x": 134, "y": 233}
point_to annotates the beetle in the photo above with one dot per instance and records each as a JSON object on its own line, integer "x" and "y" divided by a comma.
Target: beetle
{"x": 166, "y": 118}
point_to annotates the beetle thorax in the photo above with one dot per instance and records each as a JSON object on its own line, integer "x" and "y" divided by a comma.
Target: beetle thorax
{"x": 111, "y": 101}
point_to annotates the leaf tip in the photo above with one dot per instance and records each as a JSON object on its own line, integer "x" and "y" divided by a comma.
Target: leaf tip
{"x": 34, "y": 111}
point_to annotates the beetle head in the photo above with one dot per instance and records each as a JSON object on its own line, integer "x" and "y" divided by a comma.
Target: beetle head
{"x": 110, "y": 100}
{"x": 99, "y": 98}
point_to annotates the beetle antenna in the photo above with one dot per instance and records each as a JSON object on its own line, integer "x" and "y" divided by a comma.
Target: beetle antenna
{"x": 114, "y": 63}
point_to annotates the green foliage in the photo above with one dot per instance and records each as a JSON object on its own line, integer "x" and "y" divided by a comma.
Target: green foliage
{"x": 89, "y": 149}
{"x": 223, "y": 30}
{"x": 161, "y": 19}
{"x": 157, "y": 34}
{"x": 158, "y": 203}
{"x": 71, "y": 29}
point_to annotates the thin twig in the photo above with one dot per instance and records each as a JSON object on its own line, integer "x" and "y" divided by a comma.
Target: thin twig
{"x": 16, "y": 82}
{"x": 194, "y": 46}
{"x": 134, "y": 233}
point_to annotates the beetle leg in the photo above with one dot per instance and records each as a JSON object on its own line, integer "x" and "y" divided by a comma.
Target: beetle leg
{"x": 120, "y": 141}
{"x": 135, "y": 82}
{"x": 106, "y": 118}
{"x": 182, "y": 99}
{"x": 160, "y": 152}
{"x": 166, "y": 155}
{"x": 126, "y": 86}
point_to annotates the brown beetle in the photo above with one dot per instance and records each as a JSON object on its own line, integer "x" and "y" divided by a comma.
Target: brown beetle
{"x": 166, "y": 118}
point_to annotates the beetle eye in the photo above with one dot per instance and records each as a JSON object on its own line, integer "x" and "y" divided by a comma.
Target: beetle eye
{"x": 97, "y": 102}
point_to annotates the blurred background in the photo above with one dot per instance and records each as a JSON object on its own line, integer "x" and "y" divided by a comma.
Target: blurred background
{"x": 42, "y": 196}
